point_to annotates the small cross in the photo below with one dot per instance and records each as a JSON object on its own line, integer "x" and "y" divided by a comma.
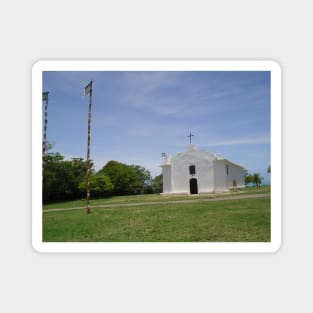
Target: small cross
{"x": 190, "y": 137}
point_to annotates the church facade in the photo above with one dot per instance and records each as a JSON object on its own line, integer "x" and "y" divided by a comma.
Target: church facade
{"x": 196, "y": 171}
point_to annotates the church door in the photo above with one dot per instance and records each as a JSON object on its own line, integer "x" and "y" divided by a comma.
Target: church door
{"x": 193, "y": 186}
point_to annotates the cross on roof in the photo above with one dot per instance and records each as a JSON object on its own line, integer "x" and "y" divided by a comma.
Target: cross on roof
{"x": 190, "y": 137}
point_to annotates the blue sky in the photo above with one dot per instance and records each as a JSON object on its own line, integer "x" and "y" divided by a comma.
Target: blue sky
{"x": 138, "y": 115}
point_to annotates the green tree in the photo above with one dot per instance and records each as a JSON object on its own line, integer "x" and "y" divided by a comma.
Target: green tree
{"x": 269, "y": 169}
{"x": 157, "y": 184}
{"x": 110, "y": 168}
{"x": 257, "y": 179}
{"x": 248, "y": 178}
{"x": 50, "y": 186}
{"x": 61, "y": 178}
{"x": 126, "y": 179}
{"x": 100, "y": 186}
{"x": 143, "y": 174}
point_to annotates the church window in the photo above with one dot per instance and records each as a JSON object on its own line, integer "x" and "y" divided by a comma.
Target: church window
{"x": 192, "y": 170}
{"x": 227, "y": 169}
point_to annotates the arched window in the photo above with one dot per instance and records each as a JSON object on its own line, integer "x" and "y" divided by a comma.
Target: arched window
{"x": 192, "y": 170}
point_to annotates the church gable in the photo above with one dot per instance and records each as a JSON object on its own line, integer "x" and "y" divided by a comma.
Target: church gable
{"x": 192, "y": 170}
{"x": 191, "y": 154}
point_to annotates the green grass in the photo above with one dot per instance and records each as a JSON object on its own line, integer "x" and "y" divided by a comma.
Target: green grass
{"x": 244, "y": 220}
{"x": 151, "y": 198}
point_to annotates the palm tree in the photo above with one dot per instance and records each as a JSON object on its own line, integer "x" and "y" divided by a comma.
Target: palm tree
{"x": 257, "y": 179}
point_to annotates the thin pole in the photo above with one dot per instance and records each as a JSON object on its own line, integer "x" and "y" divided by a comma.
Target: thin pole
{"x": 88, "y": 151}
{"x": 44, "y": 143}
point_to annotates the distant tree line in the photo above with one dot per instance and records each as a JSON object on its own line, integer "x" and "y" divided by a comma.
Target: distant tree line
{"x": 66, "y": 179}
{"x": 254, "y": 178}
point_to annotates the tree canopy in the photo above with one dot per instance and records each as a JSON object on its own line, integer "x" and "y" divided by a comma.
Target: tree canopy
{"x": 100, "y": 186}
{"x": 254, "y": 178}
{"x": 66, "y": 179}
{"x": 157, "y": 184}
{"x": 126, "y": 179}
{"x": 61, "y": 178}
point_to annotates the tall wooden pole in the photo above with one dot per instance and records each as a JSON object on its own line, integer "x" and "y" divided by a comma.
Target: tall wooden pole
{"x": 88, "y": 89}
{"x": 44, "y": 142}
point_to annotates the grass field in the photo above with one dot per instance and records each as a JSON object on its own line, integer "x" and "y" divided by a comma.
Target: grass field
{"x": 244, "y": 220}
{"x": 151, "y": 197}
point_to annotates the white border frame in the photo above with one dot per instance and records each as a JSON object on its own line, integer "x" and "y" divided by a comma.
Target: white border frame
{"x": 156, "y": 247}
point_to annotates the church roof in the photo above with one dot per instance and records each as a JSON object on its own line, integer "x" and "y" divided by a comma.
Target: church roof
{"x": 191, "y": 149}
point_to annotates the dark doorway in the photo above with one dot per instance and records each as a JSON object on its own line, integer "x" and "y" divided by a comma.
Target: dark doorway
{"x": 193, "y": 186}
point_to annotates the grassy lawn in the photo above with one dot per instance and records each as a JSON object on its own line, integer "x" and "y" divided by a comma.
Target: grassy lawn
{"x": 244, "y": 220}
{"x": 151, "y": 197}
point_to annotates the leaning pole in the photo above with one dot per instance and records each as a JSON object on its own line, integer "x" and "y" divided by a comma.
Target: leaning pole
{"x": 88, "y": 90}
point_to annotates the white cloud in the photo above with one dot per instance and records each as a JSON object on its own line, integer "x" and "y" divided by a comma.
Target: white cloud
{"x": 262, "y": 139}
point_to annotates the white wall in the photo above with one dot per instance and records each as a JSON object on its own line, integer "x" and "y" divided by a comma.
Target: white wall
{"x": 206, "y": 176}
{"x": 235, "y": 173}
{"x": 166, "y": 172}
{"x": 220, "y": 176}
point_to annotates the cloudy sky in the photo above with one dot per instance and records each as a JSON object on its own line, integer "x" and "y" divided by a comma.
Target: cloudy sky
{"x": 138, "y": 115}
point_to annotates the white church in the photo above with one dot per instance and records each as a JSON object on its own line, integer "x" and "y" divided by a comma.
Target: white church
{"x": 196, "y": 171}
